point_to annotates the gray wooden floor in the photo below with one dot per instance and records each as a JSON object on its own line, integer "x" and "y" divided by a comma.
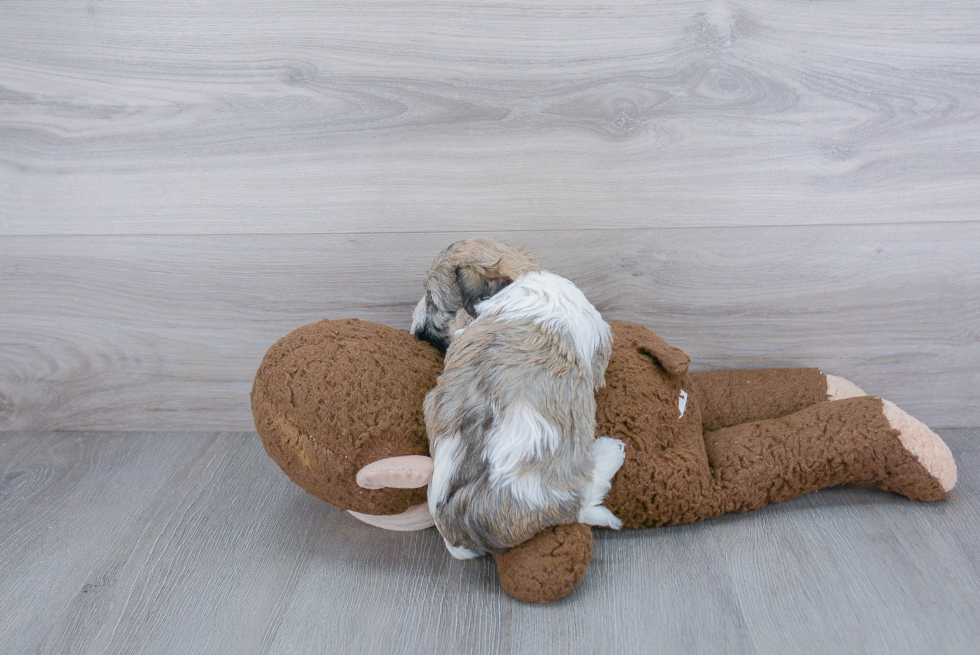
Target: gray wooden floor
{"x": 197, "y": 543}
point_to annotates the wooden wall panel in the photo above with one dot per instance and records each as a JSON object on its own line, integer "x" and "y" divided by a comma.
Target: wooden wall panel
{"x": 763, "y": 182}
{"x": 167, "y": 331}
{"x": 299, "y": 116}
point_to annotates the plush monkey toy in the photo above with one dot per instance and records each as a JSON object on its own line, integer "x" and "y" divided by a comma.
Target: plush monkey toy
{"x": 338, "y": 405}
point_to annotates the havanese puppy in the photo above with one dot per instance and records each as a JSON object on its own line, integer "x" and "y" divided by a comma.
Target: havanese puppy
{"x": 511, "y": 420}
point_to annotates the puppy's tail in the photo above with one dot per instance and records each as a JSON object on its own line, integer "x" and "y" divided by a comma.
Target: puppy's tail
{"x": 609, "y": 454}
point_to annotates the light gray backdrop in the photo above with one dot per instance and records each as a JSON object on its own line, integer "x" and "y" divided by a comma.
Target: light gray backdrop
{"x": 763, "y": 183}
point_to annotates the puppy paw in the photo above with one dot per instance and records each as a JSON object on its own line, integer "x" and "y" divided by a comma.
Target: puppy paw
{"x": 609, "y": 455}
{"x": 599, "y": 516}
{"x": 838, "y": 388}
{"x": 927, "y": 447}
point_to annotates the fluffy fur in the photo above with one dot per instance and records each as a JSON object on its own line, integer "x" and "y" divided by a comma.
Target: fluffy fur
{"x": 511, "y": 421}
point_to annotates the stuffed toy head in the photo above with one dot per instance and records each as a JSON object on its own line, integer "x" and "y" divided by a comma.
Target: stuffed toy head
{"x": 332, "y": 397}
{"x": 338, "y": 405}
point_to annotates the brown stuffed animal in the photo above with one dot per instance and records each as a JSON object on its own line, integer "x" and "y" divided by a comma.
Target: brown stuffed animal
{"x": 338, "y": 405}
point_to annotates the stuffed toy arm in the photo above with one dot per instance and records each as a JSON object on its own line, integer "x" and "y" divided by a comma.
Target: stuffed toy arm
{"x": 734, "y": 397}
{"x": 548, "y": 566}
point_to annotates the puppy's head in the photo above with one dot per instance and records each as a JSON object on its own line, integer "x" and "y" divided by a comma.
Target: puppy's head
{"x": 462, "y": 276}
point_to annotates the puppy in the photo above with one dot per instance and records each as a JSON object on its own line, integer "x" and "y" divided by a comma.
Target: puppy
{"x": 511, "y": 420}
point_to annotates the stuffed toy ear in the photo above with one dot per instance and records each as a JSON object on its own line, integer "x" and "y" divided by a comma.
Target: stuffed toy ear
{"x": 673, "y": 360}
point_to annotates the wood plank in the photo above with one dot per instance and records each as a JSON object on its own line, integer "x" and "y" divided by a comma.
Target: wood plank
{"x": 233, "y": 558}
{"x": 205, "y": 567}
{"x": 167, "y": 332}
{"x": 849, "y": 570}
{"x": 197, "y": 543}
{"x": 393, "y": 593}
{"x": 65, "y": 500}
{"x": 645, "y": 592}
{"x": 347, "y": 117}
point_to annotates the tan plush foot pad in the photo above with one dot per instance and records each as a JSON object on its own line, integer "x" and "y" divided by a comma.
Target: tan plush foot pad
{"x": 931, "y": 451}
{"x": 838, "y": 388}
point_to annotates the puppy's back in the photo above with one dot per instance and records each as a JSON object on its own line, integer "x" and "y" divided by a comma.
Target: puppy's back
{"x": 512, "y": 419}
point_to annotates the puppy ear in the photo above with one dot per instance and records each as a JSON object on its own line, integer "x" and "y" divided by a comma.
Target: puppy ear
{"x": 527, "y": 252}
{"x": 476, "y": 285}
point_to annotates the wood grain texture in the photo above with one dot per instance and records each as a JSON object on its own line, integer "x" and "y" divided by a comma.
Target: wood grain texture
{"x": 197, "y": 543}
{"x": 167, "y": 332}
{"x": 66, "y": 500}
{"x": 205, "y": 567}
{"x": 881, "y": 552}
{"x": 349, "y": 117}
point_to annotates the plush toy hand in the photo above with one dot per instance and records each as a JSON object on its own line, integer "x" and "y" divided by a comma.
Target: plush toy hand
{"x": 406, "y": 472}
{"x": 547, "y": 567}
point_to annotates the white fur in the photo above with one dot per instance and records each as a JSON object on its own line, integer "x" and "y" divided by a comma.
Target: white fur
{"x": 418, "y": 316}
{"x": 556, "y": 304}
{"x": 528, "y": 488}
{"x": 445, "y": 459}
{"x": 522, "y": 434}
{"x": 609, "y": 455}
{"x": 459, "y": 552}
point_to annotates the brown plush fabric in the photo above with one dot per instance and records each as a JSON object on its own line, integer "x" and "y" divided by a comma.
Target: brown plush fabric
{"x": 675, "y": 472}
{"x": 665, "y": 469}
{"x": 827, "y": 444}
{"x": 729, "y": 398}
{"x": 335, "y": 395}
{"x": 547, "y": 567}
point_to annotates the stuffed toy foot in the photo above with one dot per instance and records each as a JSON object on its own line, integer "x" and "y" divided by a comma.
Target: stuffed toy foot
{"x": 858, "y": 440}
{"x": 841, "y": 389}
{"x": 928, "y": 449}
